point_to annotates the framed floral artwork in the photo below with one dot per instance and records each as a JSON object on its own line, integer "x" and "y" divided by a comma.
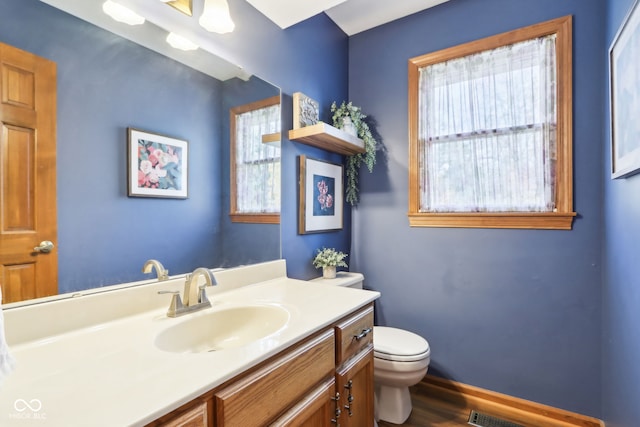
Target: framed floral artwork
{"x": 321, "y": 196}
{"x": 625, "y": 96}
{"x": 157, "y": 165}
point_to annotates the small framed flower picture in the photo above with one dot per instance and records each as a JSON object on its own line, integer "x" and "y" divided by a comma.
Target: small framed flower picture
{"x": 157, "y": 165}
{"x": 321, "y": 196}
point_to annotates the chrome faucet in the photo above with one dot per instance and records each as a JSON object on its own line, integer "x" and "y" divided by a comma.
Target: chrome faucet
{"x": 160, "y": 270}
{"x": 191, "y": 294}
{"x": 195, "y": 297}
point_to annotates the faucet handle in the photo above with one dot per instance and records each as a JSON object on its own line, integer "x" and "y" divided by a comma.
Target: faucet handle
{"x": 176, "y": 302}
{"x": 202, "y": 295}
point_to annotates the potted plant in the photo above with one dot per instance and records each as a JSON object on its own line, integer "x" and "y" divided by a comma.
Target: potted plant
{"x": 329, "y": 259}
{"x": 347, "y": 116}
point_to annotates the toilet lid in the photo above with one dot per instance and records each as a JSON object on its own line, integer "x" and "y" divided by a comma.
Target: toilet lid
{"x": 399, "y": 345}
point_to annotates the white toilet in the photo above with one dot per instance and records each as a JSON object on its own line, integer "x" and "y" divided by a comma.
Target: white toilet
{"x": 401, "y": 359}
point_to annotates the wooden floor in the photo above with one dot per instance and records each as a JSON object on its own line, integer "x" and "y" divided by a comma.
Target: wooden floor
{"x": 442, "y": 403}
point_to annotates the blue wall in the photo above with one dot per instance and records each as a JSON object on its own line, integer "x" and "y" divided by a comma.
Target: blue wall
{"x": 621, "y": 287}
{"x": 515, "y": 311}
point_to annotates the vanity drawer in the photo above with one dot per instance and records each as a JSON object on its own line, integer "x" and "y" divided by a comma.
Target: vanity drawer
{"x": 353, "y": 334}
{"x": 260, "y": 397}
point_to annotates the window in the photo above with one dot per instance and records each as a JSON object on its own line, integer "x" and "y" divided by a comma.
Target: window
{"x": 491, "y": 132}
{"x": 255, "y": 165}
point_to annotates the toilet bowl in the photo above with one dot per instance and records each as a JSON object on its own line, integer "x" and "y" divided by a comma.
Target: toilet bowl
{"x": 401, "y": 360}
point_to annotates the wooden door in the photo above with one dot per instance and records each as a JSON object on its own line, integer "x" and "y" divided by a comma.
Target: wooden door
{"x": 355, "y": 385}
{"x": 28, "y": 213}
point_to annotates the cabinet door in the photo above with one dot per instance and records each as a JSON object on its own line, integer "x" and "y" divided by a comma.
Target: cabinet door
{"x": 262, "y": 396}
{"x": 197, "y": 416}
{"x": 355, "y": 385}
{"x": 317, "y": 409}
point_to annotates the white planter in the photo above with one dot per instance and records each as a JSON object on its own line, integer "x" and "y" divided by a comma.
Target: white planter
{"x": 348, "y": 126}
{"x": 329, "y": 272}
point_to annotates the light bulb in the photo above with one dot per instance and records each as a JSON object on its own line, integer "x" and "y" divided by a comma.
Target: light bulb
{"x": 179, "y": 42}
{"x": 216, "y": 17}
{"x": 121, "y": 13}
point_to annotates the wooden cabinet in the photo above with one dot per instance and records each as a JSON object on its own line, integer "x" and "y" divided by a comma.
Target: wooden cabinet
{"x": 354, "y": 382}
{"x": 257, "y": 399}
{"x": 354, "y": 374}
{"x": 317, "y": 409}
{"x": 322, "y": 381}
{"x": 194, "y": 414}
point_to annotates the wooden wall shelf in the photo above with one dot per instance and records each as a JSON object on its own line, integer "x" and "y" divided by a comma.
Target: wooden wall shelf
{"x": 271, "y": 139}
{"x": 327, "y": 137}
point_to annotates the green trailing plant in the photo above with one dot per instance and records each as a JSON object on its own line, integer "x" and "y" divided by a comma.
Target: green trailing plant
{"x": 328, "y": 257}
{"x": 354, "y": 162}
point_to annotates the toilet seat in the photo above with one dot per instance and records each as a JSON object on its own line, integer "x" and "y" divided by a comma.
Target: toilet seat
{"x": 399, "y": 345}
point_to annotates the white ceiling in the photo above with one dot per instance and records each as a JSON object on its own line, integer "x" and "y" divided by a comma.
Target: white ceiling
{"x": 352, "y": 16}
{"x": 210, "y": 58}
{"x": 213, "y": 58}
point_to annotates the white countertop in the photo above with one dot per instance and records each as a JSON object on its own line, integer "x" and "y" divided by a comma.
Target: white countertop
{"x": 111, "y": 374}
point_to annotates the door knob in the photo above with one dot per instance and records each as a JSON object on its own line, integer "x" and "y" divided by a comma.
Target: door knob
{"x": 45, "y": 247}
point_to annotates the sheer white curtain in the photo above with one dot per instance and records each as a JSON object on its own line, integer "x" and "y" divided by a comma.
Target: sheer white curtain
{"x": 257, "y": 164}
{"x": 487, "y": 130}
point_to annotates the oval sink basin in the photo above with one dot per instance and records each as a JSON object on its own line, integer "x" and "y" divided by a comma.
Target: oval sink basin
{"x": 222, "y": 329}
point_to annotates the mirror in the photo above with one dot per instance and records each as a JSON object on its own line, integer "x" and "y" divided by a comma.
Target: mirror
{"x": 105, "y": 85}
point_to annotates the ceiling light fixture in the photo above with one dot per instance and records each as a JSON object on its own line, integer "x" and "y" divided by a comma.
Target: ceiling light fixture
{"x": 179, "y": 42}
{"x": 216, "y": 17}
{"x": 121, "y": 13}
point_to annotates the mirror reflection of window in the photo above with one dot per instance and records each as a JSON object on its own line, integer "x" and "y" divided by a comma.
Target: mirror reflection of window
{"x": 255, "y": 162}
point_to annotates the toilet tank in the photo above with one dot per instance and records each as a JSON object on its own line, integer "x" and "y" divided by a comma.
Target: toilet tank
{"x": 343, "y": 278}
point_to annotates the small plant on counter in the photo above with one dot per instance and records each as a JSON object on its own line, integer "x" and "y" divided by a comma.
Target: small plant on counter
{"x": 354, "y": 114}
{"x": 329, "y": 258}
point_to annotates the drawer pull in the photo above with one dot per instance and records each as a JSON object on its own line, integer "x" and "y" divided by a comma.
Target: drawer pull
{"x": 362, "y": 334}
{"x": 349, "y": 407}
{"x": 338, "y": 411}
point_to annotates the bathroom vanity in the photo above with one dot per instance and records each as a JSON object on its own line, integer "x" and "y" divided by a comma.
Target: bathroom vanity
{"x": 324, "y": 379}
{"x": 285, "y": 352}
